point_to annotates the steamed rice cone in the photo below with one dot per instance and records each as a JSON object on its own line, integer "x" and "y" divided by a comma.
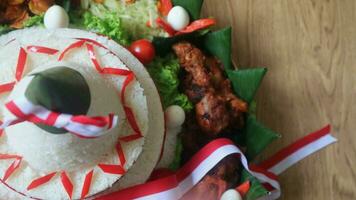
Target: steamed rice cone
{"x": 67, "y": 152}
{"x": 48, "y": 152}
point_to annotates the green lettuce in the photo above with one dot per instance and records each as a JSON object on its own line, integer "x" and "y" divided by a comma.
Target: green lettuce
{"x": 36, "y": 20}
{"x": 110, "y": 25}
{"x": 4, "y": 29}
{"x": 165, "y": 73}
{"x": 134, "y": 17}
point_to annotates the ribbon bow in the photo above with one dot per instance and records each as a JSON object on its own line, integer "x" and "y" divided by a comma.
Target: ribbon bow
{"x": 81, "y": 125}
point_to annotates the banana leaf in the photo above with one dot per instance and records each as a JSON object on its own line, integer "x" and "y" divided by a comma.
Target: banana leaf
{"x": 59, "y": 89}
{"x": 192, "y": 6}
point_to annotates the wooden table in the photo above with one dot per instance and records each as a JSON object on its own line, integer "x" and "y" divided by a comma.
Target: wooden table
{"x": 309, "y": 47}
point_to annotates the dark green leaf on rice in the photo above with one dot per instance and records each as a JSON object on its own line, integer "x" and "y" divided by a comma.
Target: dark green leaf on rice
{"x": 59, "y": 89}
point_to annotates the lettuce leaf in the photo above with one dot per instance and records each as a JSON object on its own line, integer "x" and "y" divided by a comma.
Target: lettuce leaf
{"x": 110, "y": 25}
{"x": 36, "y": 20}
{"x": 165, "y": 73}
{"x": 5, "y": 29}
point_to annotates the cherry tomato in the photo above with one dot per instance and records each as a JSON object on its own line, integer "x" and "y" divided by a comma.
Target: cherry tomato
{"x": 143, "y": 50}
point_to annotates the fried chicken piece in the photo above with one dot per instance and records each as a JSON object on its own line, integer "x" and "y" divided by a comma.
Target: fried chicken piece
{"x": 210, "y": 188}
{"x": 192, "y": 60}
{"x": 194, "y": 92}
{"x": 205, "y": 84}
{"x": 215, "y": 71}
{"x": 211, "y": 114}
{"x": 222, "y": 177}
{"x": 223, "y": 85}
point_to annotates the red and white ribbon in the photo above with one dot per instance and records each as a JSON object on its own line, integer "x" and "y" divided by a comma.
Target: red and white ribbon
{"x": 175, "y": 186}
{"x": 81, "y": 125}
{"x": 294, "y": 153}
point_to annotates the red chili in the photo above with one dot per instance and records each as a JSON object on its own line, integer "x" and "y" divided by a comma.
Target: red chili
{"x": 165, "y": 6}
{"x": 197, "y": 25}
{"x": 148, "y": 24}
{"x": 243, "y": 188}
{"x": 160, "y": 22}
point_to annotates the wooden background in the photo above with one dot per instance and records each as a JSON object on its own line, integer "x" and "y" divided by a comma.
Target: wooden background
{"x": 309, "y": 47}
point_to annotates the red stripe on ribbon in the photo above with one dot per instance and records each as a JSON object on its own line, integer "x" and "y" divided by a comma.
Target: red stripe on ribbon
{"x": 115, "y": 71}
{"x": 52, "y": 118}
{"x": 282, "y": 154}
{"x": 40, "y": 181}
{"x": 15, "y": 110}
{"x": 200, "y": 156}
{"x": 8, "y": 156}
{"x": 93, "y": 58}
{"x": 93, "y": 41}
{"x": 67, "y": 184}
{"x": 132, "y": 121}
{"x": 131, "y": 118}
{"x": 127, "y": 81}
{"x": 261, "y": 170}
{"x": 131, "y": 137}
{"x": 268, "y": 187}
{"x": 15, "y": 165}
{"x": 21, "y": 62}
{"x": 121, "y": 154}
{"x": 95, "y": 121}
{"x": 70, "y": 47}
{"x": 112, "y": 169}
{"x": 7, "y": 87}
{"x": 86, "y": 184}
{"x": 41, "y": 49}
{"x": 81, "y": 125}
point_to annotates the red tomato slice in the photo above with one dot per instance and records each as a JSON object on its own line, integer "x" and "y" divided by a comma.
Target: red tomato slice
{"x": 143, "y": 50}
{"x": 197, "y": 25}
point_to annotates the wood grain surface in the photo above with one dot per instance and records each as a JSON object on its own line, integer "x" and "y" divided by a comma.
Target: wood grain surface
{"x": 309, "y": 47}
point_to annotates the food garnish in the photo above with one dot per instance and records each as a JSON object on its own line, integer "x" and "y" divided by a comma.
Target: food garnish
{"x": 143, "y": 50}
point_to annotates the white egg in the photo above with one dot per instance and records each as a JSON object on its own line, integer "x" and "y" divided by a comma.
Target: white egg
{"x": 178, "y": 18}
{"x": 175, "y": 116}
{"x": 231, "y": 195}
{"x": 56, "y": 17}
